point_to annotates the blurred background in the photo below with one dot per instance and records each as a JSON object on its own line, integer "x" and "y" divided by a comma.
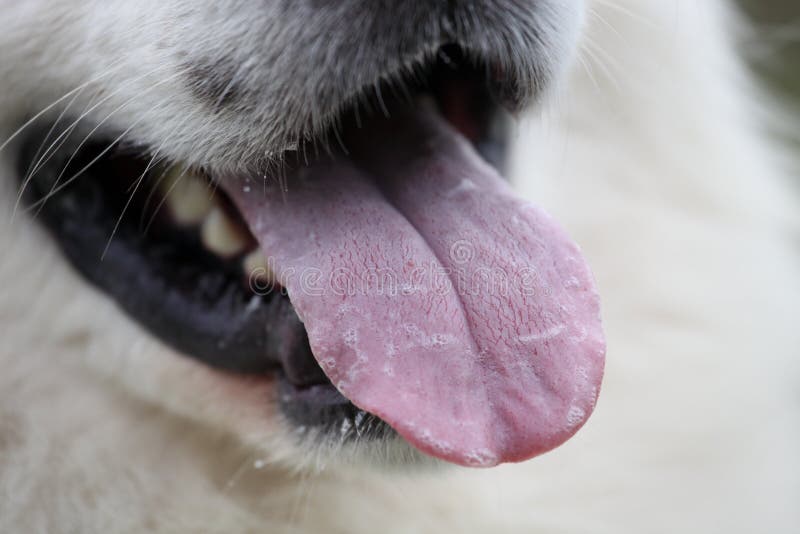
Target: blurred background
{"x": 776, "y": 49}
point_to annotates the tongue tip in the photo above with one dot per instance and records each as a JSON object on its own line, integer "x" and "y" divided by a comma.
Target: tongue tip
{"x": 521, "y": 437}
{"x": 532, "y": 437}
{"x": 486, "y": 457}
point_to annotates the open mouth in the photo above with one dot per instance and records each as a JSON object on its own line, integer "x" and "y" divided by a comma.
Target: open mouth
{"x": 383, "y": 272}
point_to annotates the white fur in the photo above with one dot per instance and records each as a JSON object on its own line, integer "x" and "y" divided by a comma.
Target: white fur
{"x": 654, "y": 155}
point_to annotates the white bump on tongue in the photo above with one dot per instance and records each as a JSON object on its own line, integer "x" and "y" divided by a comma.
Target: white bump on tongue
{"x": 433, "y": 298}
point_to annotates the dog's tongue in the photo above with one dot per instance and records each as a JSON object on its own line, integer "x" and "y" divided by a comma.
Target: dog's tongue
{"x": 433, "y": 297}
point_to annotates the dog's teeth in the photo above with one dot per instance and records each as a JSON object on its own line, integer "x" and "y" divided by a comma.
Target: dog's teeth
{"x": 188, "y": 197}
{"x": 221, "y": 235}
{"x": 257, "y": 268}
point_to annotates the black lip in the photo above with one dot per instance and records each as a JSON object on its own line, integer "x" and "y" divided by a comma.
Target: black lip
{"x": 324, "y": 409}
{"x": 164, "y": 278}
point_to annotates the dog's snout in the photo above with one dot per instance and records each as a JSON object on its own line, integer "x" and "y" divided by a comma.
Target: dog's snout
{"x": 524, "y": 43}
{"x": 259, "y": 78}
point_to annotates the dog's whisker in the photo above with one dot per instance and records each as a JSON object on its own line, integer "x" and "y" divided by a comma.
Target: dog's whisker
{"x": 155, "y": 159}
{"x": 57, "y": 142}
{"x": 26, "y": 181}
{"x": 616, "y": 6}
{"x": 40, "y": 158}
{"x": 57, "y": 186}
{"x": 50, "y": 132}
{"x": 381, "y": 103}
{"x": 597, "y": 15}
{"x": 154, "y": 189}
{"x": 45, "y": 110}
{"x": 590, "y": 61}
{"x": 51, "y": 149}
{"x": 589, "y": 70}
{"x": 605, "y": 61}
{"x": 98, "y": 157}
{"x": 164, "y": 195}
{"x": 155, "y": 183}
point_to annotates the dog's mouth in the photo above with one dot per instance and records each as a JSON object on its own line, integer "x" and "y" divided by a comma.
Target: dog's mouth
{"x": 388, "y": 276}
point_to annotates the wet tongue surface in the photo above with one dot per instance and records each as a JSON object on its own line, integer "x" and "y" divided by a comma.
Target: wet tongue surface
{"x": 433, "y": 297}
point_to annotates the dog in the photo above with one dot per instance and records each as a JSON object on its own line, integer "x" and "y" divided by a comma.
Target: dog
{"x": 189, "y": 344}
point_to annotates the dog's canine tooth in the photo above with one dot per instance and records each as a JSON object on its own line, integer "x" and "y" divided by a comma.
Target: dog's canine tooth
{"x": 256, "y": 268}
{"x": 188, "y": 197}
{"x": 221, "y": 235}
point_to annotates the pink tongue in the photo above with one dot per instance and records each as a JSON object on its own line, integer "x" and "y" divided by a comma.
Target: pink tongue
{"x": 433, "y": 297}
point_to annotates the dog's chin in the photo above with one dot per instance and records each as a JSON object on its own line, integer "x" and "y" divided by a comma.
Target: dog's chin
{"x": 243, "y": 412}
{"x": 243, "y": 415}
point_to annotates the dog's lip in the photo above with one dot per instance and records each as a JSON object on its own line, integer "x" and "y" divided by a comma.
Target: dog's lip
{"x": 83, "y": 216}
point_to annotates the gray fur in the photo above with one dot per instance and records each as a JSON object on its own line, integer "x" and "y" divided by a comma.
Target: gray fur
{"x": 246, "y": 80}
{"x": 310, "y": 59}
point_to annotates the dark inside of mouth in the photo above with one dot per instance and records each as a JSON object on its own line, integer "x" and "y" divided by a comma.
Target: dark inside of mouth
{"x": 161, "y": 273}
{"x": 458, "y": 83}
{"x": 108, "y": 210}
